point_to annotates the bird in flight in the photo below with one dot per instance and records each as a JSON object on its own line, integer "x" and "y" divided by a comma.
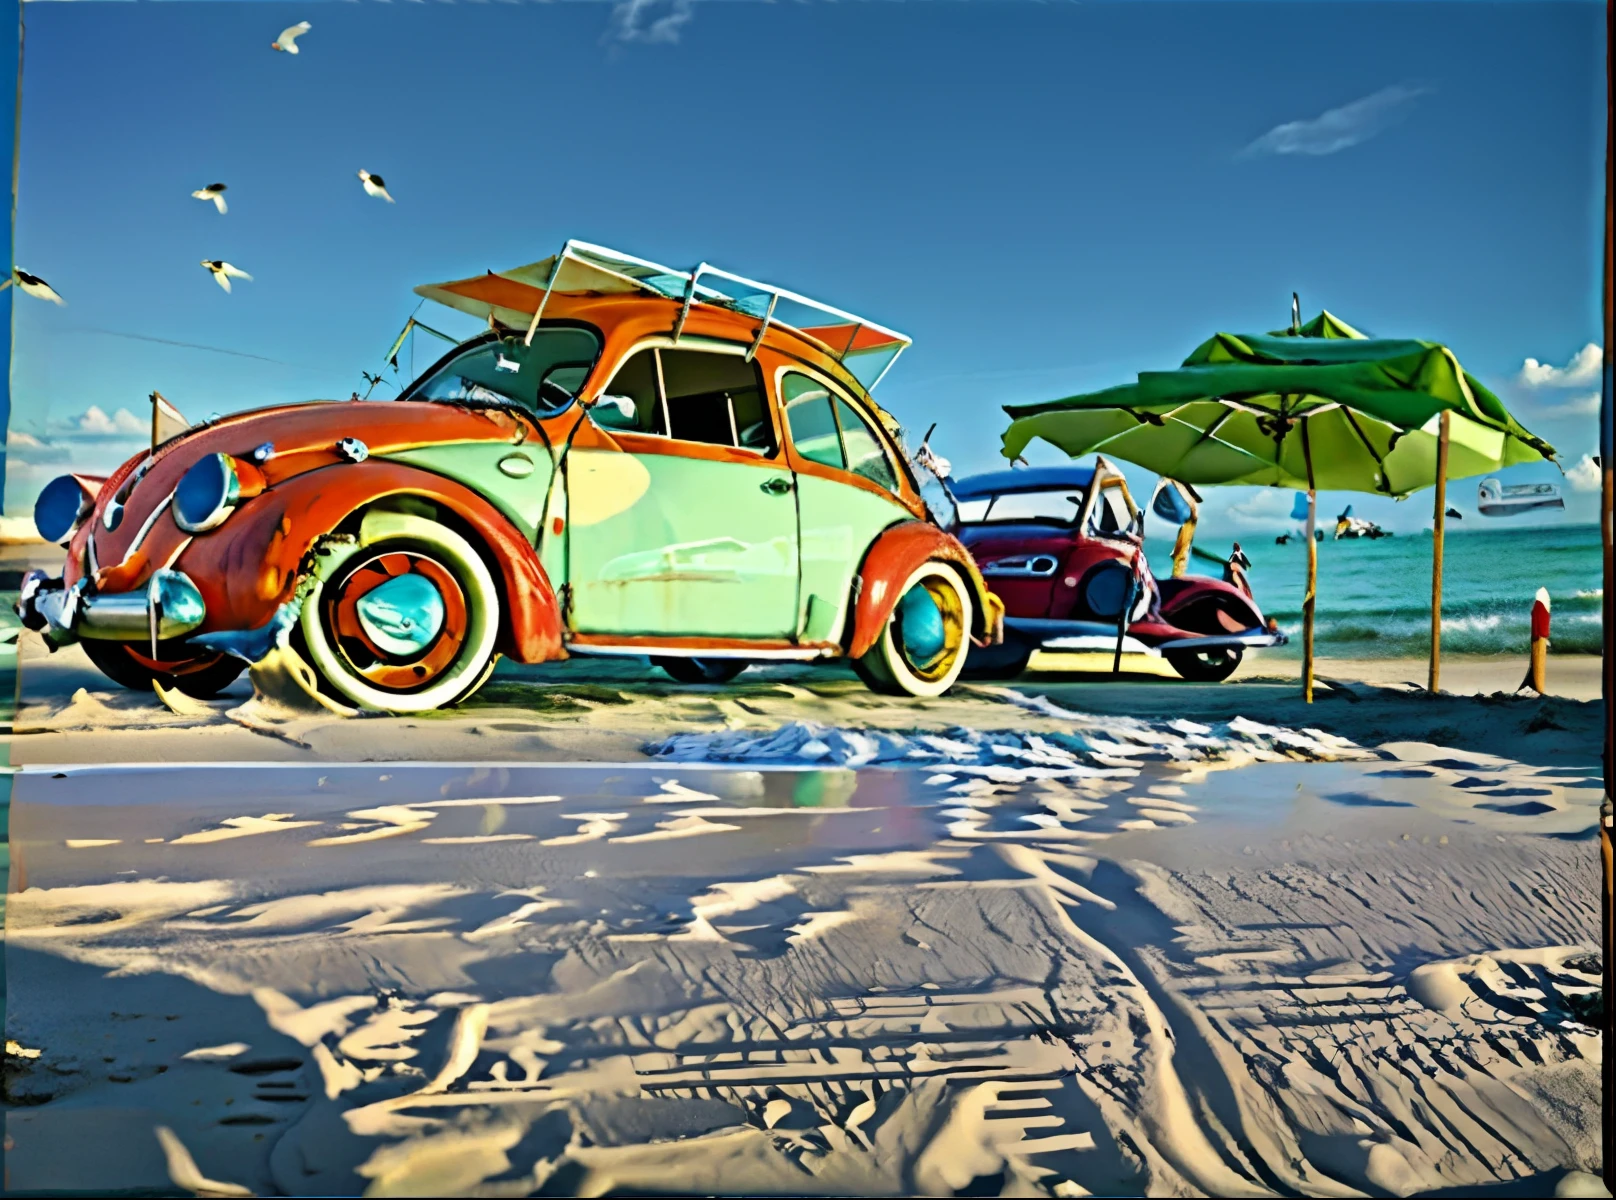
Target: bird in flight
{"x": 288, "y": 38}
{"x": 223, "y": 272}
{"x": 33, "y": 285}
{"x": 214, "y": 192}
{"x": 374, "y": 186}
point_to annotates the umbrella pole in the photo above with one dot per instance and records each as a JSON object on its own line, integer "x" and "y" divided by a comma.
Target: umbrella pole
{"x": 1436, "y": 552}
{"x": 1307, "y": 597}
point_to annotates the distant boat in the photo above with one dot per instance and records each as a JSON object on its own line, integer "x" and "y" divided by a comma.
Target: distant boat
{"x": 1496, "y": 500}
{"x": 1349, "y": 526}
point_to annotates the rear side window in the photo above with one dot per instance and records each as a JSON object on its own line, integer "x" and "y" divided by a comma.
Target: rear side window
{"x": 812, "y": 421}
{"x": 865, "y": 454}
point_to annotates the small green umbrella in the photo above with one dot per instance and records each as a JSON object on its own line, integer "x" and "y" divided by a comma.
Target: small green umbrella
{"x": 1316, "y": 407}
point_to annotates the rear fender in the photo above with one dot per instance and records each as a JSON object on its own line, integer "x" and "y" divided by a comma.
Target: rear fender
{"x": 892, "y": 558}
{"x": 1195, "y": 605}
{"x": 251, "y": 564}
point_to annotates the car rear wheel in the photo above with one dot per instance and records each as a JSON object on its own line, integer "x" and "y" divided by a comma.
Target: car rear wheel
{"x": 1206, "y": 666}
{"x": 200, "y": 677}
{"x": 404, "y": 623}
{"x": 702, "y": 670}
{"x": 1004, "y": 661}
{"x": 922, "y": 649}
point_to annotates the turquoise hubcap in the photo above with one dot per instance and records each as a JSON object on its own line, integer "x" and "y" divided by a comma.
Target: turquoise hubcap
{"x": 920, "y": 627}
{"x": 403, "y": 615}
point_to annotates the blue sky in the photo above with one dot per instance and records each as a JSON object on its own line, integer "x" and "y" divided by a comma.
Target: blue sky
{"x": 1047, "y": 197}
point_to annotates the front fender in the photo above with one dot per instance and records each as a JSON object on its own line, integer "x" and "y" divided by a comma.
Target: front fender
{"x": 1195, "y": 604}
{"x": 251, "y": 564}
{"x": 892, "y": 558}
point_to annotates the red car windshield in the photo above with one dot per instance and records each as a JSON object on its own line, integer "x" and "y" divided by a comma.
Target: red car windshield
{"x": 1057, "y": 507}
{"x": 1110, "y": 517}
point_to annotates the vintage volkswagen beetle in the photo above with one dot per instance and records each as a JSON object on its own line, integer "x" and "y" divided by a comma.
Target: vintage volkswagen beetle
{"x": 1063, "y": 548}
{"x": 631, "y": 461}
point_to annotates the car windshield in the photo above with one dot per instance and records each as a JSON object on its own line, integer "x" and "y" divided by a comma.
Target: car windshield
{"x": 1060, "y": 507}
{"x": 504, "y": 371}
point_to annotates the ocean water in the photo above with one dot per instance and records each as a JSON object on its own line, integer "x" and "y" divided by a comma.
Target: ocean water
{"x": 1374, "y": 597}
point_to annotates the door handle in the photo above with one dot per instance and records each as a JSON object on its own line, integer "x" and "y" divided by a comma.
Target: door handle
{"x": 776, "y": 486}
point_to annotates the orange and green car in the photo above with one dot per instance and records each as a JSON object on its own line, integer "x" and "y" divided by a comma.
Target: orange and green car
{"x": 632, "y": 460}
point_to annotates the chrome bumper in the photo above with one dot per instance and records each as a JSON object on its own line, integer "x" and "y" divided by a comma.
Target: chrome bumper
{"x": 1094, "y": 635}
{"x": 168, "y": 607}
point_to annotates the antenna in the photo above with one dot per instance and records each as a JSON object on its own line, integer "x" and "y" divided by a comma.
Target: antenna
{"x": 1296, "y": 313}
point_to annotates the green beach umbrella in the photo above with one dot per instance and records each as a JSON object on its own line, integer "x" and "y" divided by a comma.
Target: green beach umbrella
{"x": 1318, "y": 407}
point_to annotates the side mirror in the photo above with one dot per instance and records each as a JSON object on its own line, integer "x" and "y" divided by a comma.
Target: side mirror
{"x": 615, "y": 412}
{"x": 1170, "y": 504}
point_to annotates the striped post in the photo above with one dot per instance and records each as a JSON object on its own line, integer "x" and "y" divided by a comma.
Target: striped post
{"x": 1537, "y": 672}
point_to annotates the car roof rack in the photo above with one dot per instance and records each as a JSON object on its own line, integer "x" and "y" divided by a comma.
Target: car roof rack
{"x": 867, "y": 350}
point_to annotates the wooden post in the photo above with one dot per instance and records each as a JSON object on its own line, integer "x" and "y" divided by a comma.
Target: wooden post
{"x": 1307, "y": 597}
{"x": 1436, "y": 551}
{"x": 1181, "y": 546}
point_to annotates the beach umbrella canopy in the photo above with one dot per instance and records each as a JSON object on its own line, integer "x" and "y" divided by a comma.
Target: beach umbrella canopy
{"x": 1316, "y": 407}
{"x": 1324, "y": 408}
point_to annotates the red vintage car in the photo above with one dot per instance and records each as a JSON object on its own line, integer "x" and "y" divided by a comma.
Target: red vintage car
{"x": 633, "y": 460}
{"x": 1063, "y": 548}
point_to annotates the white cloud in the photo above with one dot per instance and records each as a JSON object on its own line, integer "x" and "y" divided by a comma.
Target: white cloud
{"x": 1577, "y": 406}
{"x": 1268, "y": 509}
{"x": 18, "y": 529}
{"x": 1582, "y": 370}
{"x": 18, "y": 437}
{"x": 122, "y": 423}
{"x": 1585, "y": 476}
{"x": 637, "y": 21}
{"x": 1338, "y": 128}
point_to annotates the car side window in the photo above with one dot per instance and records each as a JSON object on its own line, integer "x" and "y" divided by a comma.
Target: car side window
{"x": 865, "y": 454}
{"x": 811, "y": 420}
{"x": 717, "y": 399}
{"x": 690, "y": 395}
{"x": 631, "y": 400}
{"x": 1110, "y": 516}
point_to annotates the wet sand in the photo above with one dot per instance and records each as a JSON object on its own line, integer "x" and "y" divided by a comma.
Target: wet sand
{"x": 1160, "y": 977}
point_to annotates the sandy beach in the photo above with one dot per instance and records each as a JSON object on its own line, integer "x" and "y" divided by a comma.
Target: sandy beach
{"x": 594, "y": 932}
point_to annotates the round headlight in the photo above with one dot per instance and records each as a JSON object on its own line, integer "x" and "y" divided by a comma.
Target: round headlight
{"x": 60, "y": 508}
{"x": 206, "y": 494}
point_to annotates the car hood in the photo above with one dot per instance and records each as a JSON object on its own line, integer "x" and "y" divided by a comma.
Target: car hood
{"x": 303, "y": 437}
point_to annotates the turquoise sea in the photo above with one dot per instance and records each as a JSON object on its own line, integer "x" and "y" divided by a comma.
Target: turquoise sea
{"x": 1374, "y": 597}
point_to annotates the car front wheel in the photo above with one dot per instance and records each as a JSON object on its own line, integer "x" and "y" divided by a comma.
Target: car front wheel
{"x": 922, "y": 649}
{"x": 405, "y": 622}
{"x": 200, "y": 677}
{"x": 1206, "y": 666}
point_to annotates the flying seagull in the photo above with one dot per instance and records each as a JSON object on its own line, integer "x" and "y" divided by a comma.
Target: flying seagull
{"x": 288, "y": 38}
{"x": 223, "y": 272}
{"x": 33, "y": 285}
{"x": 374, "y": 186}
{"x": 214, "y": 192}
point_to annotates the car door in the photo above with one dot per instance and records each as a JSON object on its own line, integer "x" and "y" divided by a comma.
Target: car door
{"x": 683, "y": 521}
{"x": 847, "y": 493}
